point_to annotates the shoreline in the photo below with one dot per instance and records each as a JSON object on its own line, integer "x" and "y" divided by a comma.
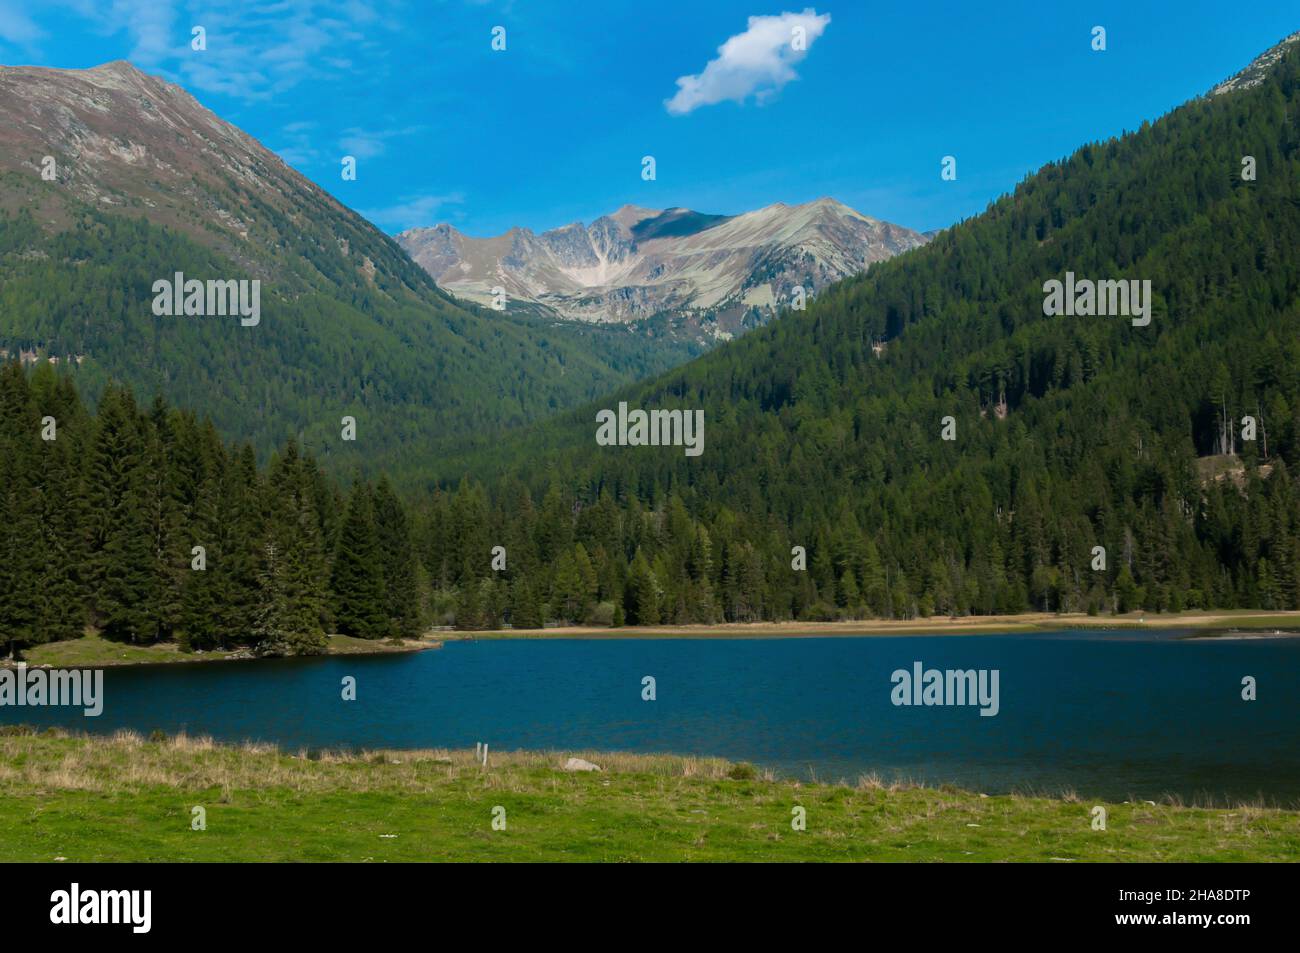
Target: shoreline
{"x": 91, "y": 651}
{"x": 1198, "y": 625}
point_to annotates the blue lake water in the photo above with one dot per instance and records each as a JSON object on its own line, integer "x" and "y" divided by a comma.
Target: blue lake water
{"x": 1113, "y": 715}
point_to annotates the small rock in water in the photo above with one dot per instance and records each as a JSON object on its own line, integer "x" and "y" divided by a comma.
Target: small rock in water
{"x": 577, "y": 764}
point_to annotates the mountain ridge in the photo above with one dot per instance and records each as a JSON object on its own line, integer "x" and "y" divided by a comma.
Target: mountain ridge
{"x": 728, "y": 271}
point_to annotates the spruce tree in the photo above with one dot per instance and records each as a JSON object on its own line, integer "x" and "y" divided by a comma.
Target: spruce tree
{"x": 397, "y": 562}
{"x": 642, "y": 600}
{"x": 60, "y": 508}
{"x": 21, "y": 552}
{"x": 121, "y": 546}
{"x": 357, "y": 582}
{"x": 274, "y": 625}
{"x": 525, "y": 608}
{"x": 469, "y": 603}
{"x": 293, "y": 538}
{"x": 169, "y": 552}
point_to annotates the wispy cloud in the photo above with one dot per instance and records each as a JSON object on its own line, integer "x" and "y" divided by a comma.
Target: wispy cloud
{"x": 16, "y": 26}
{"x": 412, "y": 211}
{"x": 758, "y": 62}
{"x": 253, "y": 51}
{"x": 152, "y": 26}
{"x": 367, "y": 144}
{"x": 302, "y": 143}
{"x": 298, "y": 149}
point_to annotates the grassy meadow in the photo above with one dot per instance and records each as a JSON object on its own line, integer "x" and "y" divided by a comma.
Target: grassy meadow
{"x": 127, "y": 798}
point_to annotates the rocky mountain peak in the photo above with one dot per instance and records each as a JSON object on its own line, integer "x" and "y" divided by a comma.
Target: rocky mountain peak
{"x": 719, "y": 273}
{"x": 1257, "y": 68}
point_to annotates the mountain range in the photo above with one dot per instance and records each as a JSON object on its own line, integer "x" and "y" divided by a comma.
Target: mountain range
{"x": 929, "y": 434}
{"x": 706, "y": 276}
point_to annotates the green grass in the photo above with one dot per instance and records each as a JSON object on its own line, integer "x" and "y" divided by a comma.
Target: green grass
{"x": 1284, "y": 623}
{"x": 127, "y": 799}
{"x": 92, "y": 651}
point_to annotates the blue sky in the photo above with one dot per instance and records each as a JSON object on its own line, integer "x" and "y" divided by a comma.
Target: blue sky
{"x": 553, "y": 129}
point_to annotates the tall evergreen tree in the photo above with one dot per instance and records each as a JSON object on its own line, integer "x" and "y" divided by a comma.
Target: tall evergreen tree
{"x": 293, "y": 557}
{"x": 396, "y": 561}
{"x": 358, "y": 578}
{"x": 21, "y": 561}
{"x": 121, "y": 541}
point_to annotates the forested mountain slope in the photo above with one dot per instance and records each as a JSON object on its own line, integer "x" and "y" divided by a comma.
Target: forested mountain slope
{"x": 111, "y": 180}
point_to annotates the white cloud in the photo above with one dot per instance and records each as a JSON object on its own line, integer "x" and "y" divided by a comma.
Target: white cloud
{"x": 365, "y": 144}
{"x": 412, "y": 211}
{"x": 757, "y": 62}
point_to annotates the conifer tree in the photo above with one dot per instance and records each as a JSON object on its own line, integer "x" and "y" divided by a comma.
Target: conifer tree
{"x": 161, "y": 479}
{"x": 238, "y": 538}
{"x": 397, "y": 562}
{"x": 121, "y": 546}
{"x": 60, "y": 515}
{"x": 641, "y": 603}
{"x": 469, "y": 603}
{"x": 299, "y": 574}
{"x": 525, "y": 608}
{"x": 357, "y": 582}
{"x": 21, "y": 561}
{"x": 275, "y": 622}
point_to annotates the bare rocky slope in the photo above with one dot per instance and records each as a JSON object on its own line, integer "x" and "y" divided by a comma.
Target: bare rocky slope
{"x": 718, "y": 274}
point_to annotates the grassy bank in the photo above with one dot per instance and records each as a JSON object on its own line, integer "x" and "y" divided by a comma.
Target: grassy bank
{"x": 128, "y": 799}
{"x": 93, "y": 651}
